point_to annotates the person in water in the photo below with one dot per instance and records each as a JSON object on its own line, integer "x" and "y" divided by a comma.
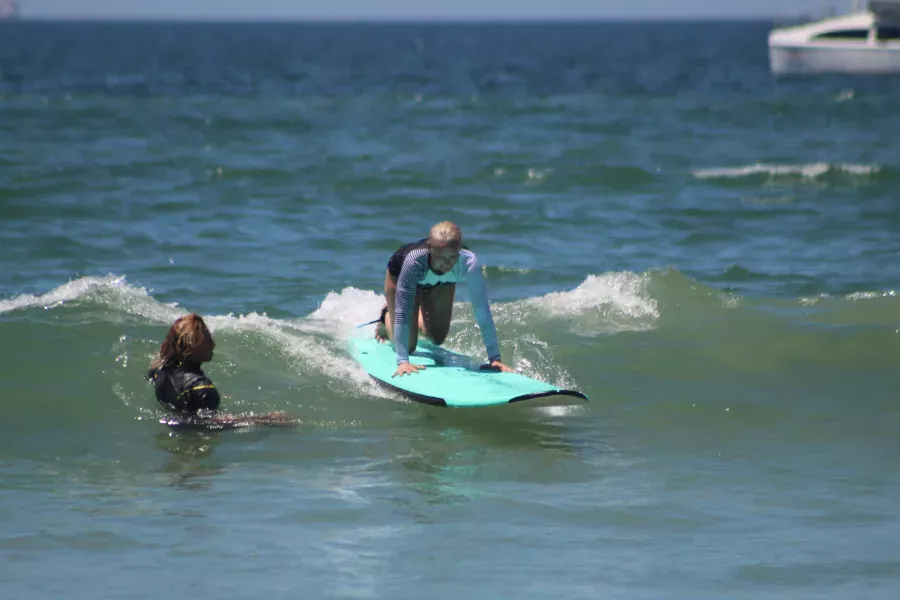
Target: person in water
{"x": 420, "y": 282}
{"x": 181, "y": 386}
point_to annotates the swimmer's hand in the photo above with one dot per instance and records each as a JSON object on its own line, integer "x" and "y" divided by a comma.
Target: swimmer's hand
{"x": 404, "y": 368}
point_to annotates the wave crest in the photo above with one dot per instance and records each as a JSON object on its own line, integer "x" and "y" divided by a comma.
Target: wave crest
{"x": 804, "y": 171}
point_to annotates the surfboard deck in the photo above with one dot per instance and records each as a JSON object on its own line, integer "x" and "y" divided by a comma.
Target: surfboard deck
{"x": 453, "y": 380}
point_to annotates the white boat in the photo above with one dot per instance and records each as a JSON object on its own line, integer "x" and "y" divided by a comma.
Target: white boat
{"x": 865, "y": 41}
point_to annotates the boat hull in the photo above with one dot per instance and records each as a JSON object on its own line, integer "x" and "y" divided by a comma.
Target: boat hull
{"x": 821, "y": 59}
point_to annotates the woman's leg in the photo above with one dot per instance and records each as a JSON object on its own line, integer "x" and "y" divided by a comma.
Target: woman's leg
{"x": 386, "y": 332}
{"x": 437, "y": 310}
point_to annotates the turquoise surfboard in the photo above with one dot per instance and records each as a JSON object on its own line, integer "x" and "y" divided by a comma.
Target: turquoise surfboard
{"x": 453, "y": 380}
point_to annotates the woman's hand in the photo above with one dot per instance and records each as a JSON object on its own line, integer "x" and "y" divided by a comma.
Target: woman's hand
{"x": 496, "y": 364}
{"x": 404, "y": 368}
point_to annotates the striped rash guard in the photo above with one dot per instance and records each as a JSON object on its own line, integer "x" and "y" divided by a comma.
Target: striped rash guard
{"x": 410, "y": 266}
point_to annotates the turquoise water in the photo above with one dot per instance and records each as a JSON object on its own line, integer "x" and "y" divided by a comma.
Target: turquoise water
{"x": 710, "y": 254}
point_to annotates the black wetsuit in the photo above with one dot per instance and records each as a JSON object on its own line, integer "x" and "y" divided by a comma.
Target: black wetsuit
{"x": 184, "y": 388}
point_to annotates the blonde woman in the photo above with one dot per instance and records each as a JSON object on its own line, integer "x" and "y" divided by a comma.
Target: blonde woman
{"x": 420, "y": 284}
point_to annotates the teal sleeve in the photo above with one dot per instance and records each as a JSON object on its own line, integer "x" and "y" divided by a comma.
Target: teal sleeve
{"x": 481, "y": 307}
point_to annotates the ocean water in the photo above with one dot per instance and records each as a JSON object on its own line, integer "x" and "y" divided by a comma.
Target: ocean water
{"x": 709, "y": 253}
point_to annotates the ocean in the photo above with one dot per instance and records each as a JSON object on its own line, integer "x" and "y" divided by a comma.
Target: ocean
{"x": 708, "y": 252}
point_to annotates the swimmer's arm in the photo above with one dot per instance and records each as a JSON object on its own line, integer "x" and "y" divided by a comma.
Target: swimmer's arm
{"x": 206, "y": 396}
{"x": 203, "y": 395}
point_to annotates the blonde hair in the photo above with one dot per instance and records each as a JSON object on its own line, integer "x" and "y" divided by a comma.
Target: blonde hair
{"x": 185, "y": 335}
{"x": 444, "y": 233}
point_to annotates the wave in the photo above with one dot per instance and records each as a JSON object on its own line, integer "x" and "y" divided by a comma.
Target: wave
{"x": 500, "y": 270}
{"x": 611, "y": 332}
{"x": 601, "y": 305}
{"x": 111, "y": 291}
{"x": 572, "y": 172}
{"x": 612, "y": 302}
{"x": 291, "y": 352}
{"x": 309, "y": 352}
{"x": 809, "y": 171}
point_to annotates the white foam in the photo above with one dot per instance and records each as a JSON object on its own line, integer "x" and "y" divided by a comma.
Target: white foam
{"x": 562, "y": 411}
{"x": 871, "y": 295}
{"x": 111, "y": 290}
{"x": 309, "y": 344}
{"x": 808, "y": 171}
{"x": 342, "y": 312}
{"x": 845, "y": 95}
{"x": 338, "y": 317}
{"x": 617, "y": 301}
{"x": 501, "y": 269}
{"x": 538, "y": 175}
{"x": 855, "y": 296}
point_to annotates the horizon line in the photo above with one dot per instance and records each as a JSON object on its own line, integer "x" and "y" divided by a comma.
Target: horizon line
{"x": 398, "y": 19}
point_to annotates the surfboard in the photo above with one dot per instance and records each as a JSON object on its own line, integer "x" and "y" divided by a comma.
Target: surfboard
{"x": 453, "y": 380}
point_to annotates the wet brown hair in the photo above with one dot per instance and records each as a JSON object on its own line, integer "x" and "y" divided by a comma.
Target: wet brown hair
{"x": 184, "y": 336}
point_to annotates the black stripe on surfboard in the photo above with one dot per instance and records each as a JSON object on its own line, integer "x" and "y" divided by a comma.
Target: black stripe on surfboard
{"x": 432, "y": 400}
{"x": 435, "y": 401}
{"x": 550, "y": 393}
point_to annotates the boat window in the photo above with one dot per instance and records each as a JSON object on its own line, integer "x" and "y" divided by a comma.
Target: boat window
{"x": 889, "y": 32}
{"x": 844, "y": 34}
